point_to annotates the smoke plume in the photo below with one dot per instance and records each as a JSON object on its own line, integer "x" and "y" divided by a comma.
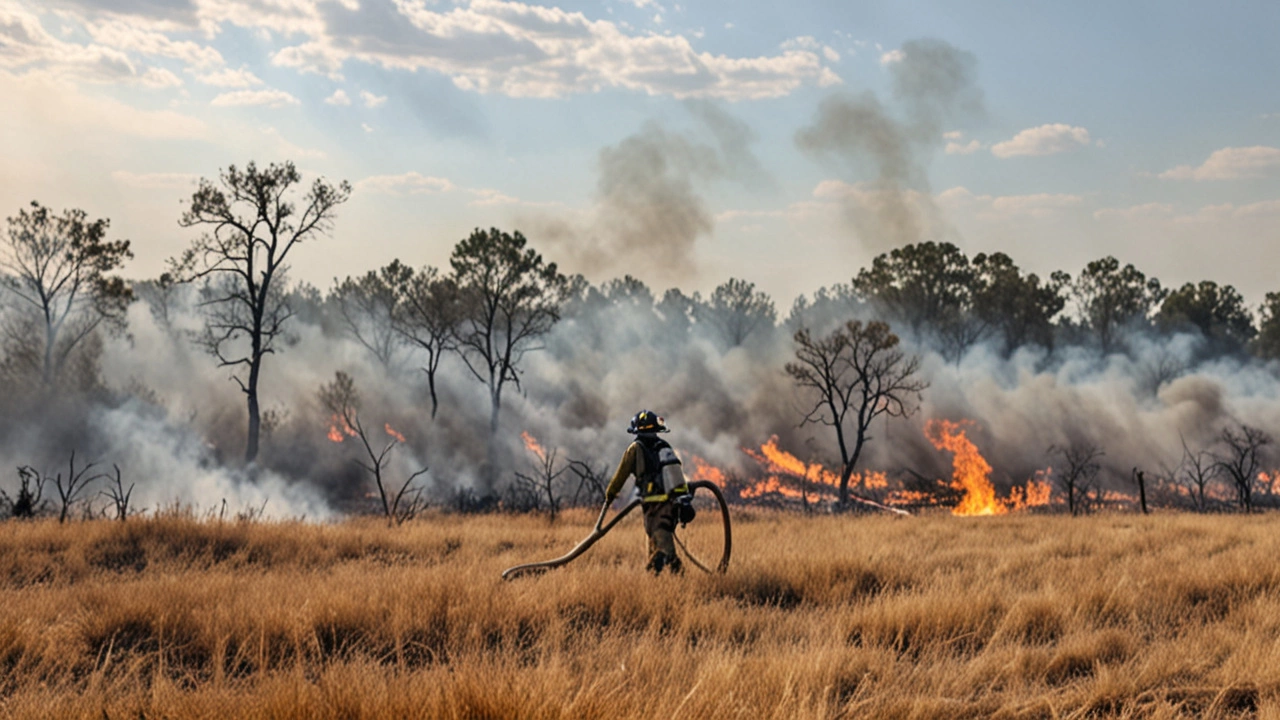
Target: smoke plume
{"x": 933, "y": 84}
{"x": 649, "y": 209}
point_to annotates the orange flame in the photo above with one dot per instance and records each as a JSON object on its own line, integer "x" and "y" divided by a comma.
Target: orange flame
{"x": 777, "y": 461}
{"x": 392, "y": 432}
{"x": 1270, "y": 481}
{"x": 703, "y": 470}
{"x": 1035, "y": 493}
{"x": 815, "y": 479}
{"x": 339, "y": 429}
{"x": 970, "y": 471}
{"x": 531, "y": 444}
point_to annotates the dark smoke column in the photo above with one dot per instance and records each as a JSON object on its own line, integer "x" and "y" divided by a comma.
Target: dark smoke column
{"x": 253, "y": 221}
{"x": 510, "y": 298}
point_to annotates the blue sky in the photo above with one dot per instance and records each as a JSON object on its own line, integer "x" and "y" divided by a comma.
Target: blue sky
{"x": 1146, "y": 130}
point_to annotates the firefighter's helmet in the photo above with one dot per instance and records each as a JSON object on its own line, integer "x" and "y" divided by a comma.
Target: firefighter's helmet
{"x": 646, "y": 421}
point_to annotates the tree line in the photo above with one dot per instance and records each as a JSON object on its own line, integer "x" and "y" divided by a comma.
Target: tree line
{"x": 499, "y": 299}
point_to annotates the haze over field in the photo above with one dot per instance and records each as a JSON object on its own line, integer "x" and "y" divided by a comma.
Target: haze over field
{"x": 682, "y": 146}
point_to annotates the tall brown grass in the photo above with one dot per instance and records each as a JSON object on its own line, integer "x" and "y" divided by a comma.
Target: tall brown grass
{"x": 928, "y": 617}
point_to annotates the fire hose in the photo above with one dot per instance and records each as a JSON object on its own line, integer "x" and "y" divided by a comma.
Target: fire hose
{"x": 602, "y": 528}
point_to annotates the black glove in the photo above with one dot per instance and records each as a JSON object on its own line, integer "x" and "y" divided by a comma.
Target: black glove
{"x": 684, "y": 504}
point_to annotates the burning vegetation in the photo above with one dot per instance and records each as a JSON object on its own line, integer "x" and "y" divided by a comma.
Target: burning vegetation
{"x": 1105, "y": 390}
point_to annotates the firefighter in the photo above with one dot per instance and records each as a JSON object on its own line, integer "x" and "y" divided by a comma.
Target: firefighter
{"x": 662, "y": 487}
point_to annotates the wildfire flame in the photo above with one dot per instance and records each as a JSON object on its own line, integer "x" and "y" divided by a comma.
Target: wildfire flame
{"x": 970, "y": 471}
{"x": 531, "y": 444}
{"x": 1270, "y": 481}
{"x": 1035, "y": 493}
{"x": 703, "y": 470}
{"x": 972, "y": 474}
{"x": 816, "y": 479}
{"x": 339, "y": 429}
{"x": 392, "y": 432}
{"x": 779, "y": 463}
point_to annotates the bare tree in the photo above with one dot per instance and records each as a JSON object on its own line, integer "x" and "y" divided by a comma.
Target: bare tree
{"x": 58, "y": 268}
{"x": 428, "y": 310}
{"x": 1080, "y": 468}
{"x": 1195, "y": 472}
{"x": 29, "y": 500}
{"x": 1241, "y": 460}
{"x": 69, "y": 490}
{"x": 855, "y": 374}
{"x": 546, "y": 480}
{"x": 591, "y": 483}
{"x": 510, "y": 300}
{"x": 341, "y": 400}
{"x": 119, "y": 495}
{"x": 254, "y": 220}
{"x": 368, "y": 306}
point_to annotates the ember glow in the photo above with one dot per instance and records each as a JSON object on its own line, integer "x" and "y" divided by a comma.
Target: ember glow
{"x": 970, "y": 472}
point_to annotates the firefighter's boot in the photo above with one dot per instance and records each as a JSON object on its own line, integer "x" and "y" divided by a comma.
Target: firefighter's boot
{"x": 657, "y": 561}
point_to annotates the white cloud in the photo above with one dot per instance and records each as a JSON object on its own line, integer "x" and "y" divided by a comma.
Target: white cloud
{"x": 1042, "y": 140}
{"x": 956, "y": 148}
{"x": 488, "y": 197}
{"x": 269, "y": 97}
{"x": 830, "y": 54}
{"x": 229, "y": 78}
{"x": 129, "y": 36}
{"x": 892, "y": 56}
{"x": 804, "y": 42}
{"x": 155, "y": 181}
{"x": 496, "y": 46}
{"x": 371, "y": 100}
{"x": 159, "y": 78}
{"x": 1034, "y": 205}
{"x": 1230, "y": 163}
{"x": 413, "y": 183}
{"x": 27, "y": 48}
{"x": 953, "y": 135}
{"x": 339, "y": 97}
{"x": 366, "y": 127}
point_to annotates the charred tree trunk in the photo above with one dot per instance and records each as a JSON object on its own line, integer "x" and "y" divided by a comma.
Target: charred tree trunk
{"x": 1140, "y": 477}
{"x": 431, "y": 387}
{"x": 251, "y": 391}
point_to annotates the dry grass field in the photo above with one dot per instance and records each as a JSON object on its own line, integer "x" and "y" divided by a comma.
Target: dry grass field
{"x": 926, "y": 617}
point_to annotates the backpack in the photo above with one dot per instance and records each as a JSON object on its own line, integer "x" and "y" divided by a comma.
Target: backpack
{"x": 658, "y": 471}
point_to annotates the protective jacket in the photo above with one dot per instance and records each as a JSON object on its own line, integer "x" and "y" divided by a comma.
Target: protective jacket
{"x": 656, "y": 467}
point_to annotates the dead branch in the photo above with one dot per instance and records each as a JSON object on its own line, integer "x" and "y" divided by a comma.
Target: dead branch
{"x": 70, "y": 489}
{"x": 118, "y": 495}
